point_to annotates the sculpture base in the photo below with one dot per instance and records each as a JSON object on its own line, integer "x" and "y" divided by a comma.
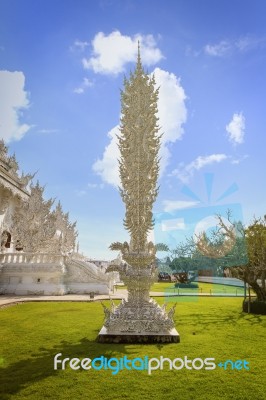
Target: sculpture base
{"x": 138, "y": 338}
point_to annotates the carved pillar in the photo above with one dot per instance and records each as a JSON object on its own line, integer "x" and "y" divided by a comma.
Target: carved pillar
{"x": 139, "y": 318}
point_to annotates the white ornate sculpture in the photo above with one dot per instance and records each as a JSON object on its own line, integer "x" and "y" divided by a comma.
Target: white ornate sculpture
{"x": 10, "y": 182}
{"x": 34, "y": 224}
{"x": 66, "y": 231}
{"x": 30, "y": 220}
{"x": 139, "y": 317}
{"x": 38, "y": 229}
{"x": 37, "y": 243}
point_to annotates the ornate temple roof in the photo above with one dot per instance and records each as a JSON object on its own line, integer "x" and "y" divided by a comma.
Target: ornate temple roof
{"x": 9, "y": 178}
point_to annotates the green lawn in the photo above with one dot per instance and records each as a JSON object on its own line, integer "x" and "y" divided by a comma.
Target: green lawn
{"x": 203, "y": 288}
{"x": 32, "y": 333}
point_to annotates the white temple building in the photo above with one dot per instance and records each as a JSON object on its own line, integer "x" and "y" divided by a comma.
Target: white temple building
{"x": 37, "y": 254}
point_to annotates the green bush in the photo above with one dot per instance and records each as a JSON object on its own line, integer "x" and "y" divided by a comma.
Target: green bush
{"x": 256, "y": 307}
{"x": 187, "y": 285}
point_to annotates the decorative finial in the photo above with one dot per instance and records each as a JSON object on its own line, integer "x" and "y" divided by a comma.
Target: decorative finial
{"x": 3, "y": 150}
{"x": 139, "y": 65}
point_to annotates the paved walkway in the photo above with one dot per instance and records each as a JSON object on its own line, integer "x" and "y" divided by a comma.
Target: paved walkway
{"x": 6, "y": 300}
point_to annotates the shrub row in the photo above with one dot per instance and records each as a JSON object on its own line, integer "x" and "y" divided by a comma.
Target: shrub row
{"x": 187, "y": 285}
{"x": 256, "y": 307}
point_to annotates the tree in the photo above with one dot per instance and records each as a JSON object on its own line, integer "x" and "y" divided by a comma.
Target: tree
{"x": 243, "y": 250}
{"x": 161, "y": 247}
{"x": 254, "y": 271}
{"x": 180, "y": 261}
{"x": 213, "y": 251}
{"x": 224, "y": 246}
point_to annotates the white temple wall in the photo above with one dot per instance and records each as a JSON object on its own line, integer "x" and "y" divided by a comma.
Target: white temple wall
{"x": 41, "y": 278}
{"x": 87, "y": 288}
{"x": 30, "y": 279}
{"x": 6, "y": 213}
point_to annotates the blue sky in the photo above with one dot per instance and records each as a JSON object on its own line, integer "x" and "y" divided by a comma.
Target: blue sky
{"x": 62, "y": 65}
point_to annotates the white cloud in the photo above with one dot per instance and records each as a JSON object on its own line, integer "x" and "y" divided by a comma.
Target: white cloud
{"x": 95, "y": 185}
{"x": 242, "y": 44}
{"x": 107, "y": 167}
{"x": 219, "y": 49}
{"x": 80, "y": 45}
{"x": 184, "y": 173}
{"x": 172, "y": 224}
{"x": 172, "y": 115}
{"x": 78, "y": 90}
{"x": 172, "y": 205}
{"x": 81, "y": 193}
{"x": 86, "y": 83}
{"x": 236, "y": 129}
{"x": 48, "y": 131}
{"x": 189, "y": 51}
{"x": 237, "y": 161}
{"x": 13, "y": 100}
{"x": 248, "y": 43}
{"x": 112, "y": 52}
{"x": 172, "y": 111}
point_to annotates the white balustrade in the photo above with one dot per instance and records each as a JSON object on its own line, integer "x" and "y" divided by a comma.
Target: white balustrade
{"x": 31, "y": 258}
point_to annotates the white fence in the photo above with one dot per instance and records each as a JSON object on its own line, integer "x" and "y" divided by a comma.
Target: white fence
{"x": 220, "y": 280}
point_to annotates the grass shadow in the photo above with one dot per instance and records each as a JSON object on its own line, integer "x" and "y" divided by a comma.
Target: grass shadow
{"x": 39, "y": 366}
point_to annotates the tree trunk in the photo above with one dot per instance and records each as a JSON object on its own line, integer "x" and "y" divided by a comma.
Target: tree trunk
{"x": 263, "y": 276}
{"x": 260, "y": 291}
